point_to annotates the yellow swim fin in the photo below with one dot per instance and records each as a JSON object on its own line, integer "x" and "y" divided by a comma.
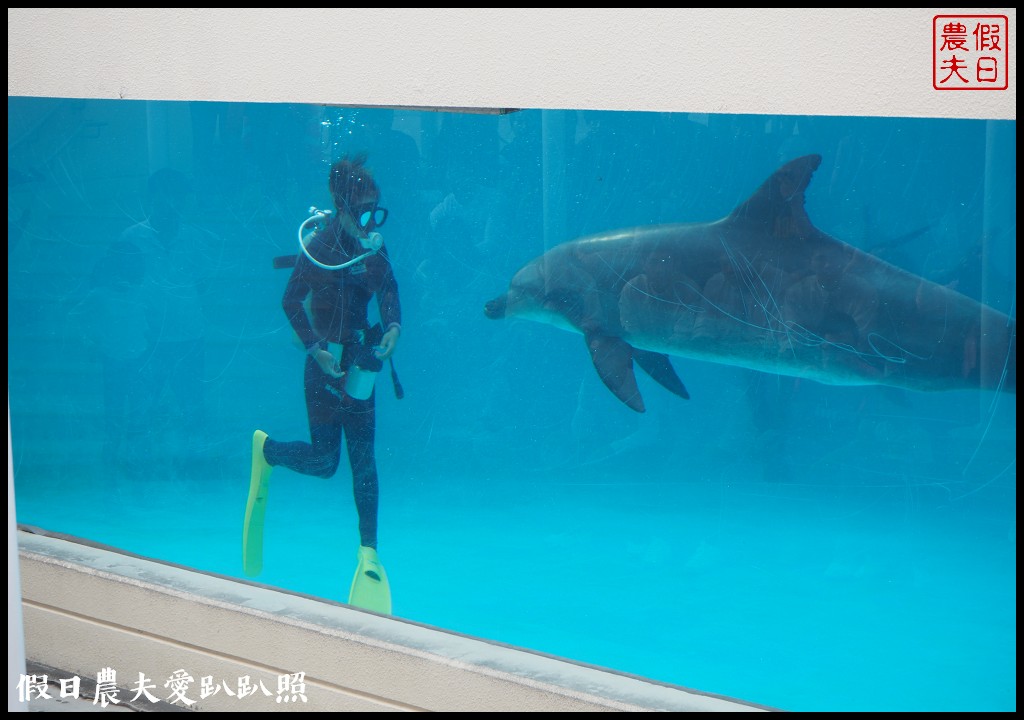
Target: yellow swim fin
{"x": 255, "y": 508}
{"x": 370, "y": 588}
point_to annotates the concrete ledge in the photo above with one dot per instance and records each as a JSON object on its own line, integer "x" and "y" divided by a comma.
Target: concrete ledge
{"x": 87, "y": 607}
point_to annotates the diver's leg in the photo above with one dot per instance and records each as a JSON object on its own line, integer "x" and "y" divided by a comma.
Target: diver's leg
{"x": 323, "y": 409}
{"x": 359, "y": 423}
{"x": 370, "y": 586}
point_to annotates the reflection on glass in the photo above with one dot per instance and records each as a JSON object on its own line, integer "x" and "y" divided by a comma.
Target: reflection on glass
{"x": 816, "y": 509}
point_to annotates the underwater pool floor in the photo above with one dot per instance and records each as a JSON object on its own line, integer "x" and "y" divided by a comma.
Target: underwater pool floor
{"x": 857, "y": 599}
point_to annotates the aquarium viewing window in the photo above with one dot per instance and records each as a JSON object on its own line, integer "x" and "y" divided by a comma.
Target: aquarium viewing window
{"x": 722, "y": 400}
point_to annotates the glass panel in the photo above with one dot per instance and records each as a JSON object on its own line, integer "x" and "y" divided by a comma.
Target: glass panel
{"x": 828, "y": 522}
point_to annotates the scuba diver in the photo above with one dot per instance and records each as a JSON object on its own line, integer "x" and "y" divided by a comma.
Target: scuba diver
{"x": 343, "y": 264}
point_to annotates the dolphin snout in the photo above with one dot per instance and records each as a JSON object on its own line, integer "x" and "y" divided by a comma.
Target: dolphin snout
{"x": 495, "y": 309}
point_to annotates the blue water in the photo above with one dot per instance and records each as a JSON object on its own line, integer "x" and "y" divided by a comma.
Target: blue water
{"x": 803, "y": 546}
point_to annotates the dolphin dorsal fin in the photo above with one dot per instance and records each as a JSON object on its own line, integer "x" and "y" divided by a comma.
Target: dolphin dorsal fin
{"x": 778, "y": 204}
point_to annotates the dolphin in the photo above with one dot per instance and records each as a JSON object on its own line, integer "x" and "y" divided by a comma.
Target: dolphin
{"x": 763, "y": 289}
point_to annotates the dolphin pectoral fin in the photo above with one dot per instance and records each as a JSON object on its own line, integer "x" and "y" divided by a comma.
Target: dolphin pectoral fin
{"x": 613, "y": 359}
{"x": 658, "y": 367}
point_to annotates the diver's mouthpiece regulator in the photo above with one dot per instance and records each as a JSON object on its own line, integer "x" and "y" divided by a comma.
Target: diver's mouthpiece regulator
{"x": 372, "y": 243}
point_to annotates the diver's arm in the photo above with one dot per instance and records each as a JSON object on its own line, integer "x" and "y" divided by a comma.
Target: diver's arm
{"x": 297, "y": 290}
{"x": 390, "y": 311}
{"x": 388, "y": 342}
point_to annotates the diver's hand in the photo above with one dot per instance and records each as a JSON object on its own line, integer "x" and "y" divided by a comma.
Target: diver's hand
{"x": 327, "y": 362}
{"x": 388, "y": 343}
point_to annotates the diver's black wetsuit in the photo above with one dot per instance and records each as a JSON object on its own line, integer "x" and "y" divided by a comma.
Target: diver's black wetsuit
{"x": 338, "y": 305}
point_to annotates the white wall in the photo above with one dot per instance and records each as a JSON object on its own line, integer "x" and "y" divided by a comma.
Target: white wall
{"x": 817, "y": 61}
